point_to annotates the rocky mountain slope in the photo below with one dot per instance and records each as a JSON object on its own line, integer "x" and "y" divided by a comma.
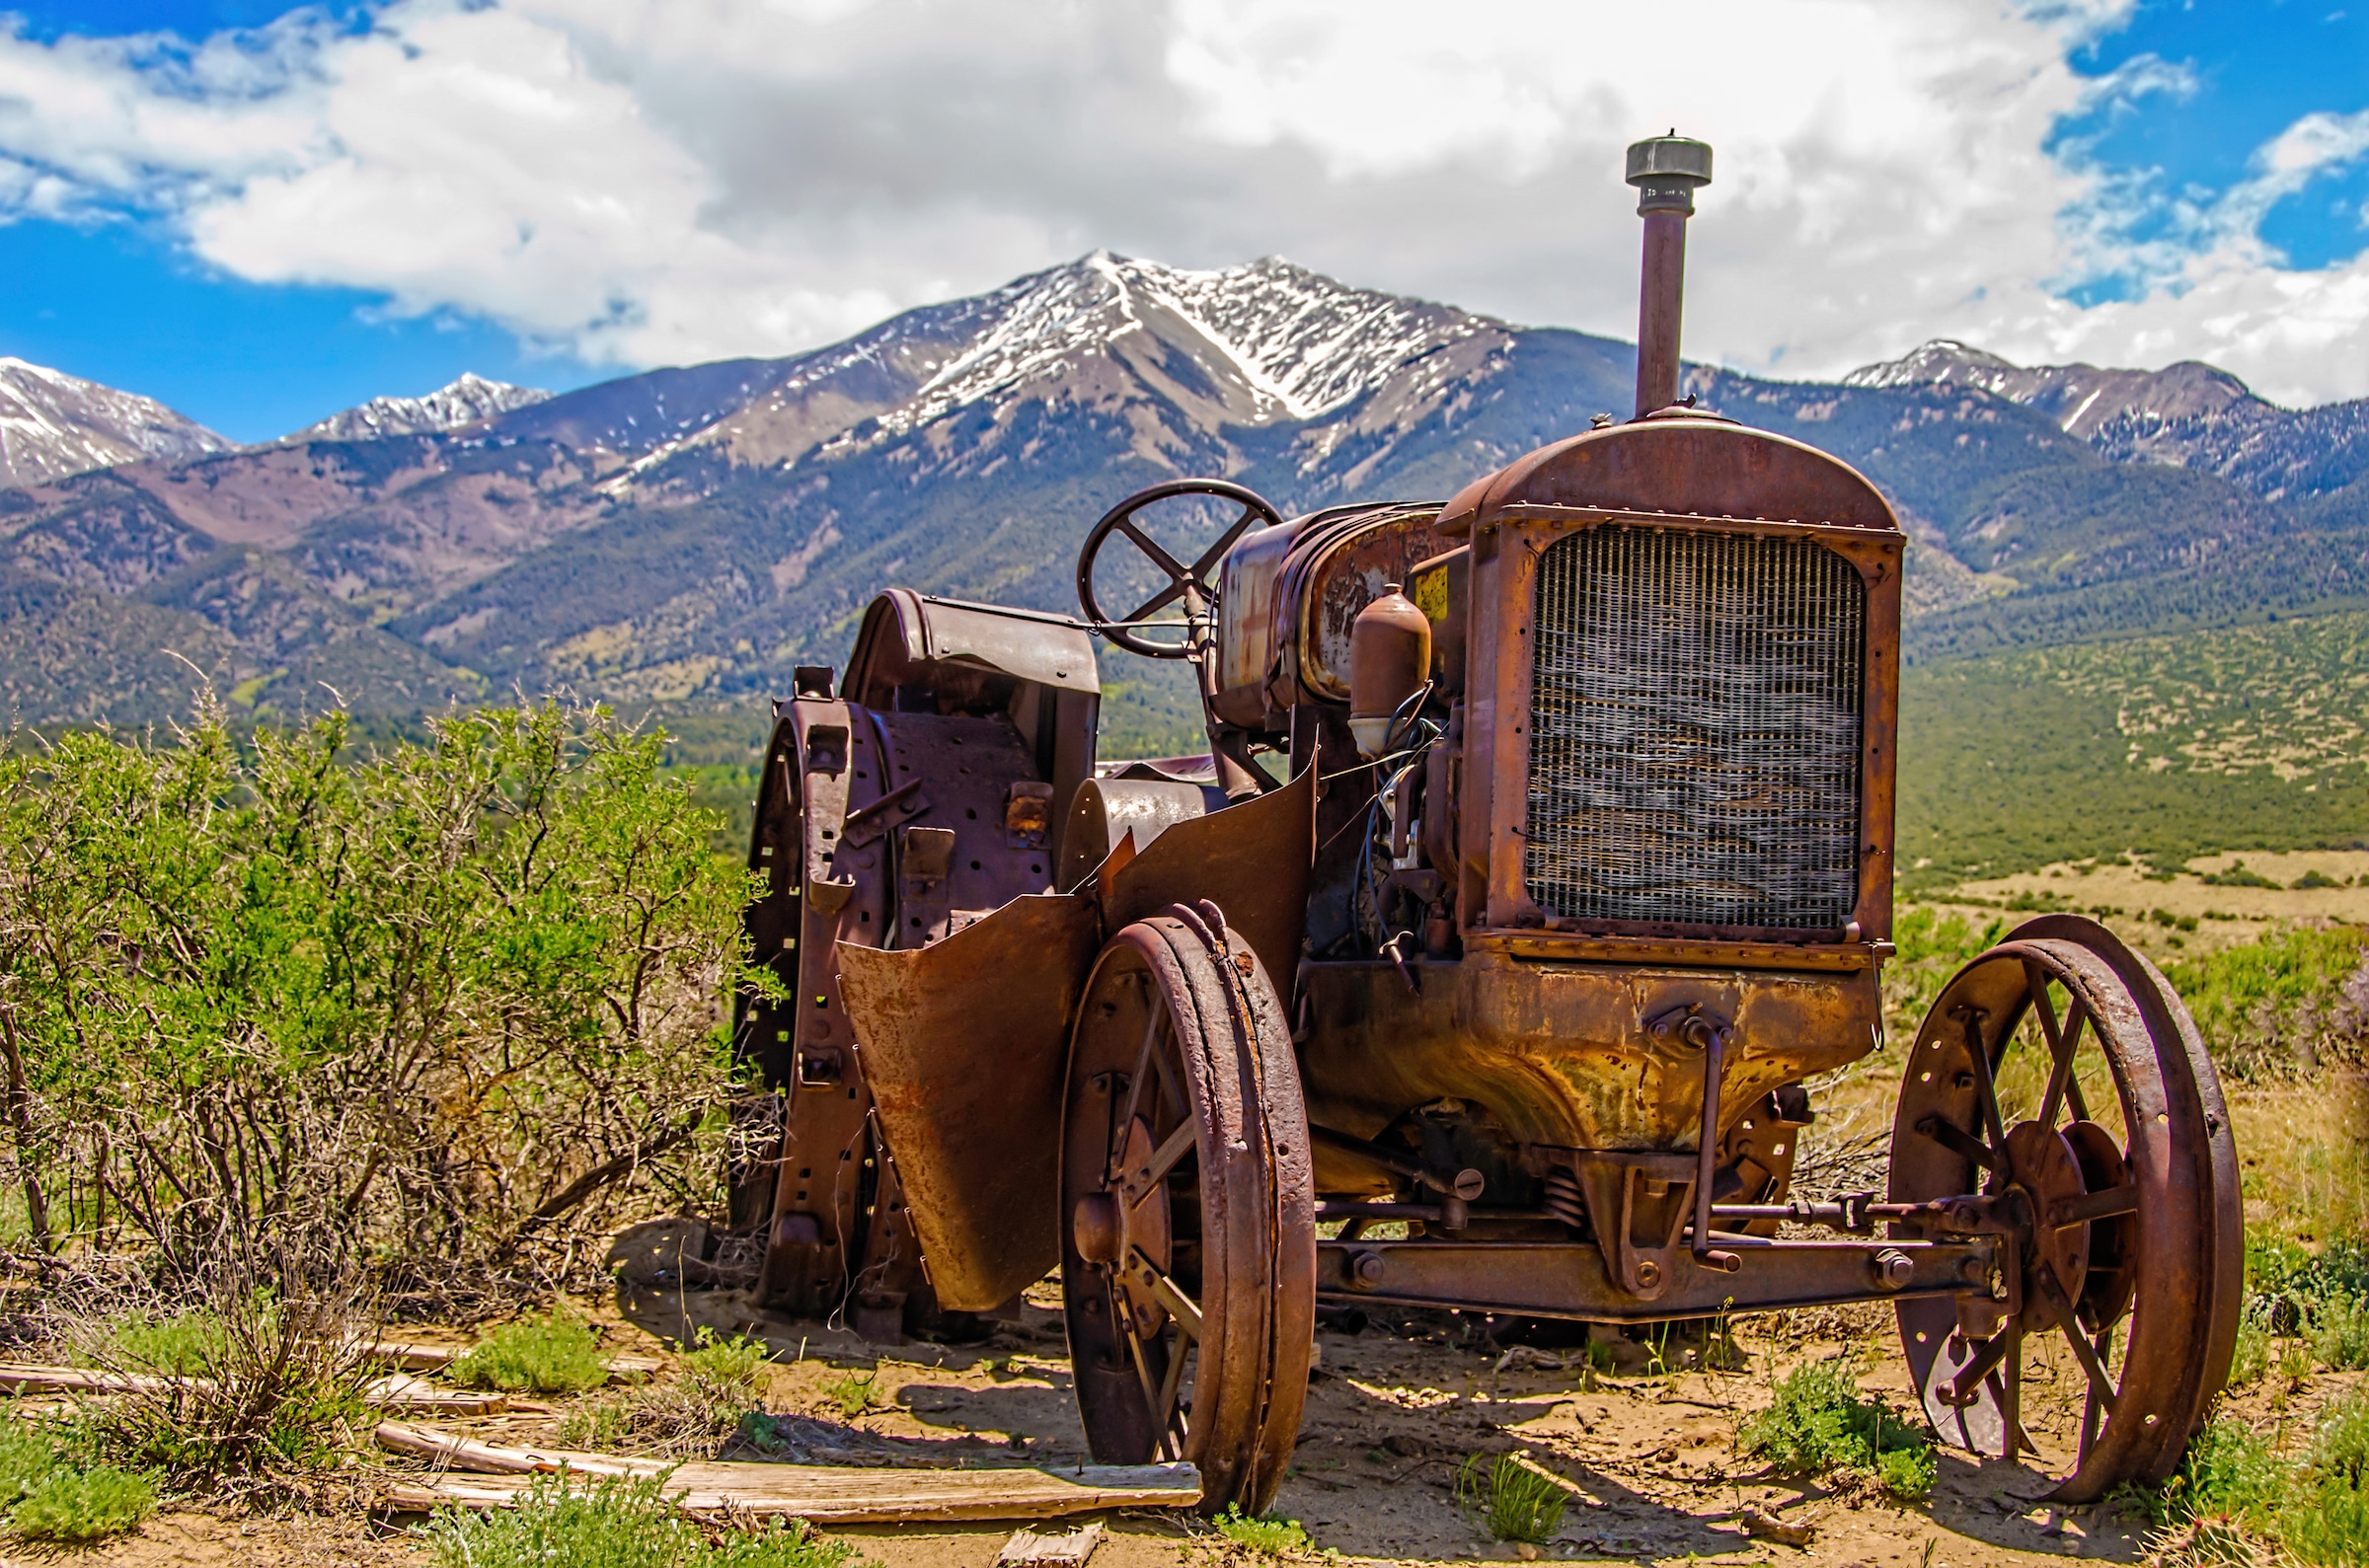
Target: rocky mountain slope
{"x": 690, "y": 533}
{"x": 2187, "y": 414}
{"x": 52, "y": 424}
{"x": 454, "y": 406}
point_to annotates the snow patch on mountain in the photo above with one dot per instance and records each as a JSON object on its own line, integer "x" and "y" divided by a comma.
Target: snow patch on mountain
{"x": 449, "y": 408}
{"x": 52, "y": 426}
{"x": 2082, "y": 399}
{"x": 1282, "y": 342}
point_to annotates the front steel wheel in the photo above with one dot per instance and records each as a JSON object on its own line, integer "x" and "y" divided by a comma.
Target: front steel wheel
{"x": 2059, "y": 1072}
{"x": 1188, "y": 1237}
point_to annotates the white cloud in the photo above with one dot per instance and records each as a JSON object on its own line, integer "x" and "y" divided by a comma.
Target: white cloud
{"x": 662, "y": 180}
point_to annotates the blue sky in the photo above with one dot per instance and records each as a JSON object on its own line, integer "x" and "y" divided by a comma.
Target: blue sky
{"x": 292, "y": 210}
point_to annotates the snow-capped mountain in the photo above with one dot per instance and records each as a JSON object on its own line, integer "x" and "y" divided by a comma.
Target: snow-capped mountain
{"x": 455, "y": 407}
{"x": 52, "y": 424}
{"x": 2188, "y": 414}
{"x": 2081, "y": 399}
{"x": 1192, "y": 351}
{"x": 697, "y": 532}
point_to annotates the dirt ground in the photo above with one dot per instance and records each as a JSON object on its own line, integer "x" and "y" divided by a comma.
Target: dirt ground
{"x": 2225, "y": 915}
{"x": 1650, "y": 1449}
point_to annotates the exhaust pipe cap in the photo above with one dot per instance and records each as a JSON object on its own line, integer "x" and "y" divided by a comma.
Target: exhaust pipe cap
{"x": 1668, "y": 171}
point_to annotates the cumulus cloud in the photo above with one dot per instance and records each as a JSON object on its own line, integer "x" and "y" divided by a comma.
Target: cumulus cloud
{"x": 648, "y": 181}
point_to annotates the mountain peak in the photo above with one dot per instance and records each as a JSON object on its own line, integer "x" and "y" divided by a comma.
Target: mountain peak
{"x": 1939, "y": 359}
{"x": 2081, "y": 398}
{"x": 463, "y": 401}
{"x": 1271, "y": 340}
{"x": 53, "y": 424}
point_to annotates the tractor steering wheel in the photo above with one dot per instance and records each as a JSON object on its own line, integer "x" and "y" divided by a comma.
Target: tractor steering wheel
{"x": 1196, "y": 584}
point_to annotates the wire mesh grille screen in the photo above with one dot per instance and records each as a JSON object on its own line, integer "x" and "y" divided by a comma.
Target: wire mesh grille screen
{"x": 1695, "y": 712}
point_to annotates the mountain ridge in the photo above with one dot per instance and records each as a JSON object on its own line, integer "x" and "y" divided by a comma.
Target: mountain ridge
{"x": 465, "y": 400}
{"x": 691, "y": 534}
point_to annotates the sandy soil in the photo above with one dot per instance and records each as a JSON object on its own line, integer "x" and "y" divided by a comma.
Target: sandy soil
{"x": 1651, "y": 1453}
{"x": 2225, "y": 915}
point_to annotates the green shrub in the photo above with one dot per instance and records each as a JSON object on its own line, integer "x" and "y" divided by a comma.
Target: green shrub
{"x": 2341, "y": 1333}
{"x": 713, "y": 1394}
{"x": 2230, "y": 1472}
{"x": 1270, "y": 1535}
{"x": 852, "y": 1394}
{"x": 1509, "y": 1499}
{"x": 443, "y": 1011}
{"x": 266, "y": 1386}
{"x": 615, "y": 1523}
{"x": 555, "y": 1353}
{"x": 48, "y": 1494}
{"x": 76, "y": 1507}
{"x": 1819, "y": 1424}
{"x": 182, "y": 1345}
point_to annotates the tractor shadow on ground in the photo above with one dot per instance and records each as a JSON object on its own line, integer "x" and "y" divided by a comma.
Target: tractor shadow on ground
{"x": 2007, "y": 1505}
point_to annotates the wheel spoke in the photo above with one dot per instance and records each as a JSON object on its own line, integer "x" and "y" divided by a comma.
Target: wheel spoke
{"x": 2011, "y": 1397}
{"x": 1143, "y": 1061}
{"x": 1141, "y": 1185}
{"x": 1979, "y": 1055}
{"x": 1165, "y": 1412}
{"x": 2103, "y": 1204}
{"x": 2093, "y": 1406}
{"x": 1178, "y": 575}
{"x": 1169, "y": 1295}
{"x": 1143, "y": 1375}
{"x": 2063, "y": 1046}
{"x": 1979, "y": 1366}
{"x": 1958, "y": 1141}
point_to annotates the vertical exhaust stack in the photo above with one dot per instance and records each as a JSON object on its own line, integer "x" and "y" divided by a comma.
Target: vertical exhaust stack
{"x": 1665, "y": 171}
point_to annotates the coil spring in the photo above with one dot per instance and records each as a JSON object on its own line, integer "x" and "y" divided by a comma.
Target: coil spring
{"x": 1564, "y": 1199}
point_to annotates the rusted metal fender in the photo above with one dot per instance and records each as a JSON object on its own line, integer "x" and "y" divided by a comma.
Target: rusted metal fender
{"x": 964, "y": 1044}
{"x": 1251, "y": 860}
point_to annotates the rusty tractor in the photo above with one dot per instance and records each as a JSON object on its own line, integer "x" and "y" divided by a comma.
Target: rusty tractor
{"x": 1541, "y": 855}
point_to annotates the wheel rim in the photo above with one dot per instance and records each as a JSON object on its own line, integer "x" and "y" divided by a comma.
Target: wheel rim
{"x": 2061, "y": 1066}
{"x": 1188, "y": 1251}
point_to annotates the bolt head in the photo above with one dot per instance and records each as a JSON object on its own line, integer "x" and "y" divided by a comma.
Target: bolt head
{"x": 1367, "y": 1268}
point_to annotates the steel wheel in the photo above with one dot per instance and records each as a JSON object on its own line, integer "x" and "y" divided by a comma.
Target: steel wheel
{"x": 1189, "y": 1242}
{"x": 2104, "y": 1117}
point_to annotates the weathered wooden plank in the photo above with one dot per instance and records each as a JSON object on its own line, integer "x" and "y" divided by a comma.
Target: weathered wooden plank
{"x": 824, "y": 1494}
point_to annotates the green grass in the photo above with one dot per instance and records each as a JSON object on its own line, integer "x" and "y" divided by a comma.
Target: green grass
{"x": 1509, "y": 1499}
{"x": 1819, "y": 1424}
{"x": 2235, "y": 1489}
{"x": 556, "y": 1353}
{"x": 718, "y": 1391}
{"x": 852, "y": 1394}
{"x": 49, "y": 1492}
{"x": 182, "y": 1345}
{"x": 617, "y": 1523}
{"x": 2210, "y": 742}
{"x": 1270, "y": 1535}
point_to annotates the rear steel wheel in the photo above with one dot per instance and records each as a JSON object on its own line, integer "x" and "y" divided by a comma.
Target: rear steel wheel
{"x": 2060, "y": 1071}
{"x": 1188, "y": 1237}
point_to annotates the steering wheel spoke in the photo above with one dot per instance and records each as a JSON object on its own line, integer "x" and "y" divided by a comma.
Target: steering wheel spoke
{"x": 1196, "y": 584}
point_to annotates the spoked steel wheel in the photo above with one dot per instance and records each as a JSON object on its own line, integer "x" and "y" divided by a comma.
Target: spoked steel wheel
{"x": 2059, "y": 1076}
{"x": 1188, "y": 1242}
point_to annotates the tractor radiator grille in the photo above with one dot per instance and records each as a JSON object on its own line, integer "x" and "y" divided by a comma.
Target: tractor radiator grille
{"x": 1695, "y": 714}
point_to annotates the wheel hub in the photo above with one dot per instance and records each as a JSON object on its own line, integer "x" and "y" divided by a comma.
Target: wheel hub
{"x": 2042, "y": 1165}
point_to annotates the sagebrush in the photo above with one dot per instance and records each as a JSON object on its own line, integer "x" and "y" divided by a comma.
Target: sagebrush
{"x": 446, "y": 1010}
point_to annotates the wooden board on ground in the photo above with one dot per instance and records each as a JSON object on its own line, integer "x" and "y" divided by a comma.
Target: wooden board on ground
{"x": 400, "y": 1392}
{"x": 824, "y": 1494}
{"x": 410, "y": 1356}
{"x": 1029, "y": 1548}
